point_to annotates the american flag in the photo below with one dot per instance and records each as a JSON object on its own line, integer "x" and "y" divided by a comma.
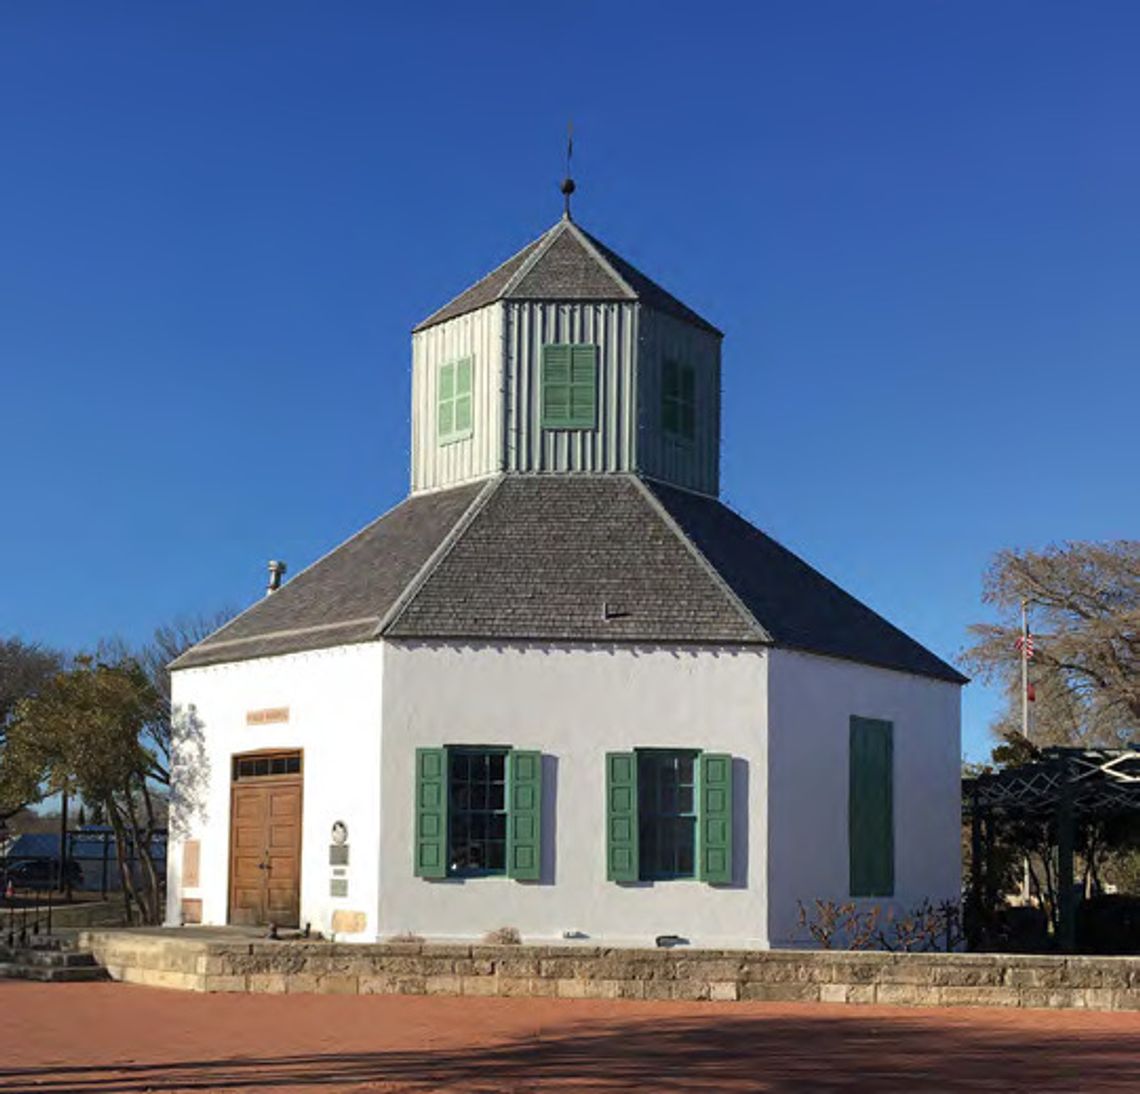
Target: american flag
{"x": 1024, "y": 645}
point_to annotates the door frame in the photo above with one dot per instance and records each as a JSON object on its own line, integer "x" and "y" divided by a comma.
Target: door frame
{"x": 296, "y": 779}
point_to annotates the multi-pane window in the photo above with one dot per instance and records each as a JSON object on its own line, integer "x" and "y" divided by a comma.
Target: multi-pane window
{"x": 667, "y": 814}
{"x": 569, "y": 386}
{"x": 678, "y": 400}
{"x": 264, "y": 766}
{"x": 477, "y": 811}
{"x": 453, "y": 402}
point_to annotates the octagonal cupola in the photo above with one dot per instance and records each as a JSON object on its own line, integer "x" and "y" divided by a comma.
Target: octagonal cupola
{"x": 565, "y": 359}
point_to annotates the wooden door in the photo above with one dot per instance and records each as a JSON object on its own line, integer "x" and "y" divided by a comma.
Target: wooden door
{"x": 265, "y": 846}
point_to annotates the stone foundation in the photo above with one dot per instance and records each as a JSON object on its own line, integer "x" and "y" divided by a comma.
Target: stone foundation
{"x": 170, "y": 959}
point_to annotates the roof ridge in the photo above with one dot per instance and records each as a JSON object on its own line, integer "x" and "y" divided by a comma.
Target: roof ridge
{"x": 583, "y": 237}
{"x": 442, "y": 550}
{"x": 545, "y": 242}
{"x": 666, "y": 517}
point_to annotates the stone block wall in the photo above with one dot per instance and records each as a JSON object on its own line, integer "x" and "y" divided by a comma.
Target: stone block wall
{"x": 171, "y": 959}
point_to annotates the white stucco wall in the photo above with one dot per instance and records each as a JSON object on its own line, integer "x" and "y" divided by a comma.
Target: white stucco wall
{"x": 574, "y": 703}
{"x": 811, "y": 702}
{"x": 334, "y": 701}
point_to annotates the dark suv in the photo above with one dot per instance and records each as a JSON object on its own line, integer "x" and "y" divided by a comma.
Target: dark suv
{"x": 41, "y": 873}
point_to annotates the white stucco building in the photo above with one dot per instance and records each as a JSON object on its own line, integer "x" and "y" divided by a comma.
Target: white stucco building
{"x": 561, "y": 687}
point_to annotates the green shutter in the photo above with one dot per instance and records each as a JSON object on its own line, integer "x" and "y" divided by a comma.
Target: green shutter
{"x": 524, "y": 815}
{"x": 569, "y": 386}
{"x": 870, "y": 805}
{"x": 463, "y": 396}
{"x": 716, "y": 818}
{"x": 621, "y": 816}
{"x": 583, "y": 386}
{"x": 445, "y": 401}
{"x": 688, "y": 408}
{"x": 431, "y": 812}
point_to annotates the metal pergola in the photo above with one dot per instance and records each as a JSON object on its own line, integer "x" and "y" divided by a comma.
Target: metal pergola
{"x": 1062, "y": 784}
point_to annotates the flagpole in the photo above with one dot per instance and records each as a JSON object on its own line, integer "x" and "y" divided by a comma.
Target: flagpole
{"x": 1024, "y": 670}
{"x": 1026, "y": 895}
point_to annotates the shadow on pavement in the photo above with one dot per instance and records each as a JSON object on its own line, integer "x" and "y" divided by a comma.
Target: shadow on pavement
{"x": 715, "y": 1053}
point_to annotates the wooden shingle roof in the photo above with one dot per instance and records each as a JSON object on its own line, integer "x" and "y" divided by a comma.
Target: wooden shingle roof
{"x": 558, "y": 558}
{"x": 566, "y": 263}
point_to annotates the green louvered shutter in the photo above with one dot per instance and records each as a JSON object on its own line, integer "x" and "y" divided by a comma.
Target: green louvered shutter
{"x": 716, "y": 818}
{"x": 524, "y": 815}
{"x": 621, "y": 816}
{"x": 431, "y": 812}
{"x": 569, "y": 386}
{"x": 445, "y": 402}
{"x": 583, "y": 386}
{"x": 463, "y": 396}
{"x": 555, "y": 386}
{"x": 870, "y": 805}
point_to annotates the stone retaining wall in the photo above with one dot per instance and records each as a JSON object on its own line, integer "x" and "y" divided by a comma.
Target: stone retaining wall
{"x": 166, "y": 959}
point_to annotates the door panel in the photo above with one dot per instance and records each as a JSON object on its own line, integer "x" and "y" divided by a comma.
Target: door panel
{"x": 265, "y": 855}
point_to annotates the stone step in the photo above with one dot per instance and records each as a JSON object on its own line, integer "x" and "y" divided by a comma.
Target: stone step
{"x": 55, "y": 958}
{"x": 54, "y": 974}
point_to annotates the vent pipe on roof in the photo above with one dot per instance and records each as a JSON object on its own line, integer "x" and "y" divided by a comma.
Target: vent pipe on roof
{"x": 276, "y": 573}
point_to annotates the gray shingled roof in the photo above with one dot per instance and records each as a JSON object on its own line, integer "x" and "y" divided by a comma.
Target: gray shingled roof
{"x": 566, "y": 263}
{"x": 572, "y": 557}
{"x": 795, "y": 603}
{"x": 344, "y": 596}
{"x": 566, "y": 558}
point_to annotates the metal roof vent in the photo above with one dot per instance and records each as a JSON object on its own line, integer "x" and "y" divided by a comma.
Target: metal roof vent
{"x": 276, "y": 573}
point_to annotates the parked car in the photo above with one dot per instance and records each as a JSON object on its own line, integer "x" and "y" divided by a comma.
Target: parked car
{"x": 41, "y": 873}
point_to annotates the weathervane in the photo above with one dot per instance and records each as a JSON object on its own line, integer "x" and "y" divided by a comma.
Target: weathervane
{"x": 568, "y": 183}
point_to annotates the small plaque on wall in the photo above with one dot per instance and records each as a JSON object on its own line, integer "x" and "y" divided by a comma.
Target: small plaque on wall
{"x": 338, "y": 854}
{"x": 338, "y": 886}
{"x": 345, "y": 922}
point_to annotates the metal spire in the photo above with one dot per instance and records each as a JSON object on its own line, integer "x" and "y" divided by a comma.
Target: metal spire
{"x": 568, "y": 187}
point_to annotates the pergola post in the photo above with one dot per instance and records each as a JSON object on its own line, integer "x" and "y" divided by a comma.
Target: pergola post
{"x": 1066, "y": 910}
{"x": 976, "y": 880}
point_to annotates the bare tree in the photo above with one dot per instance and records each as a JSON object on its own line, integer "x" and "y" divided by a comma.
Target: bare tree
{"x": 154, "y": 657}
{"x": 1084, "y": 600}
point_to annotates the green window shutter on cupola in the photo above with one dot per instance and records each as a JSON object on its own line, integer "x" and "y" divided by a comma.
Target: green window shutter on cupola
{"x": 569, "y": 386}
{"x": 621, "y": 816}
{"x": 431, "y": 812}
{"x": 524, "y": 816}
{"x": 716, "y": 818}
{"x": 453, "y": 401}
{"x": 870, "y": 804}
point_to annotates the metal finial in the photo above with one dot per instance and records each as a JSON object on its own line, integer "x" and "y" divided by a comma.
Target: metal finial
{"x": 568, "y": 186}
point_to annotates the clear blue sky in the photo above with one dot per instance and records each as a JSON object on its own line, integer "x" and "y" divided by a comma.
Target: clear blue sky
{"x": 917, "y": 223}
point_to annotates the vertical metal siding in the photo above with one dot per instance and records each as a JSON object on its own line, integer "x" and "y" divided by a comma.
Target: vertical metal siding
{"x": 613, "y": 329}
{"x": 695, "y": 464}
{"x": 477, "y": 335}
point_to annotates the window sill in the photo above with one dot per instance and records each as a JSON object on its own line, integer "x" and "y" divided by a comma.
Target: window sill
{"x": 452, "y": 438}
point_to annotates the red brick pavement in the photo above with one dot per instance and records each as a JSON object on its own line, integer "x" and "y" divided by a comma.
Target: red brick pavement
{"x": 119, "y": 1039}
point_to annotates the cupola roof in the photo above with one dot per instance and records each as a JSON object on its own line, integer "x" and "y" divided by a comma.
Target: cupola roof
{"x": 566, "y": 263}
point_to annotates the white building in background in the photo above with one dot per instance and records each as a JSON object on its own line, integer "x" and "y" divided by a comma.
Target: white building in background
{"x": 561, "y": 687}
